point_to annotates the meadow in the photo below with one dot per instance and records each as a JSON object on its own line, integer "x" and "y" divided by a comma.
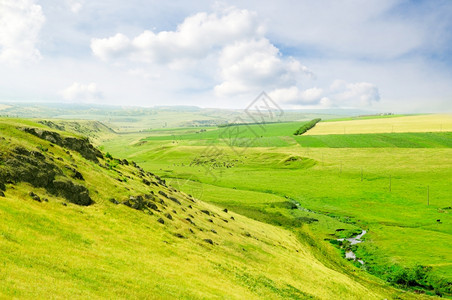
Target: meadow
{"x": 396, "y": 185}
{"x": 181, "y": 248}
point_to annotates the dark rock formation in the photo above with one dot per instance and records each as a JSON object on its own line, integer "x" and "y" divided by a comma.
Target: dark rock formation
{"x": 23, "y": 165}
{"x": 81, "y": 145}
{"x": 75, "y": 193}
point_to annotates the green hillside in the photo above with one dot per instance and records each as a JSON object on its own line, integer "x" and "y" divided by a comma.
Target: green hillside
{"x": 78, "y": 223}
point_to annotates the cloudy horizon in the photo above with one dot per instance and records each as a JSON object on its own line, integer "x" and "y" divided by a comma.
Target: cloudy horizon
{"x": 391, "y": 55}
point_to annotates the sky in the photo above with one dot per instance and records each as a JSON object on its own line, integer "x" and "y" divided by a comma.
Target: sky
{"x": 379, "y": 55}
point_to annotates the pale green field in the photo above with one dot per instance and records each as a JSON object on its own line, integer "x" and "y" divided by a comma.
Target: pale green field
{"x": 420, "y": 123}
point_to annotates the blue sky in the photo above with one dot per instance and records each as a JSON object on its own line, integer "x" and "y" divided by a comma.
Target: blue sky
{"x": 382, "y": 55}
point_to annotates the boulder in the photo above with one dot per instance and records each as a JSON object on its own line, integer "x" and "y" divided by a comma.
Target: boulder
{"x": 74, "y": 193}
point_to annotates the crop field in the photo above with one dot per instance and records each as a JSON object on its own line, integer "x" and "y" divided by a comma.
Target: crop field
{"x": 419, "y": 123}
{"x": 394, "y": 185}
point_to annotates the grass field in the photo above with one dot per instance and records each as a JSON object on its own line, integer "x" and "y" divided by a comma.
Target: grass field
{"x": 224, "y": 133}
{"x": 378, "y": 140}
{"x": 50, "y": 250}
{"x": 395, "y": 185}
{"x": 418, "y": 123}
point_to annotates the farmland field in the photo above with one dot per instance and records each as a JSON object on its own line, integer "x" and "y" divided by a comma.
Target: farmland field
{"x": 418, "y": 123}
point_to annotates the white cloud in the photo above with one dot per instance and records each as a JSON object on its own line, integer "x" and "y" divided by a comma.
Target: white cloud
{"x": 178, "y": 60}
{"x": 20, "y": 24}
{"x": 326, "y": 102}
{"x": 340, "y": 94}
{"x": 111, "y": 47}
{"x": 75, "y": 6}
{"x": 293, "y": 95}
{"x": 228, "y": 45}
{"x": 194, "y": 38}
{"x": 254, "y": 65}
{"x": 82, "y": 92}
{"x": 354, "y": 94}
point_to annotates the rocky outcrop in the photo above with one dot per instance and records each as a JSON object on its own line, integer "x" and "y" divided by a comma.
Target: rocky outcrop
{"x": 80, "y": 145}
{"x": 22, "y": 165}
{"x": 31, "y": 167}
{"x": 142, "y": 203}
{"x": 73, "y": 192}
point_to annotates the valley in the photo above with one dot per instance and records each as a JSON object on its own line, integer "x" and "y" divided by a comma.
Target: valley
{"x": 260, "y": 209}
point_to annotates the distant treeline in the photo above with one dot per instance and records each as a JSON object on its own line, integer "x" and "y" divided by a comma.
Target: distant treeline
{"x": 305, "y": 127}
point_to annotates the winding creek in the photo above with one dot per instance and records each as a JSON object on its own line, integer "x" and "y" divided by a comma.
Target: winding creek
{"x": 353, "y": 241}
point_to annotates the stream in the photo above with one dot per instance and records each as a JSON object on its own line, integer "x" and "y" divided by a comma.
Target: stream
{"x": 353, "y": 241}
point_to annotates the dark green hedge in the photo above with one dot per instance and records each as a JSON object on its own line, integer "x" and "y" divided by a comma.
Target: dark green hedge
{"x": 306, "y": 126}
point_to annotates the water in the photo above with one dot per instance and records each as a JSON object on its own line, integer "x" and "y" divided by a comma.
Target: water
{"x": 353, "y": 241}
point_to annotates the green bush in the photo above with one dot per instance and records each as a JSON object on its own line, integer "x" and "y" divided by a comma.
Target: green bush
{"x": 418, "y": 276}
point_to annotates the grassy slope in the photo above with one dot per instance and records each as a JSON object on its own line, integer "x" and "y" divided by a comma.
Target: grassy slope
{"x": 110, "y": 251}
{"x": 402, "y": 227}
{"x": 419, "y": 123}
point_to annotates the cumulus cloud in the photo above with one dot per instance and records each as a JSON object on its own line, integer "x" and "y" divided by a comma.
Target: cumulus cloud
{"x": 229, "y": 46}
{"x": 231, "y": 41}
{"x": 194, "y": 38}
{"x": 293, "y": 95}
{"x": 82, "y": 92}
{"x": 339, "y": 94}
{"x": 354, "y": 94}
{"x": 256, "y": 64}
{"x": 108, "y": 48}
{"x": 20, "y": 24}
